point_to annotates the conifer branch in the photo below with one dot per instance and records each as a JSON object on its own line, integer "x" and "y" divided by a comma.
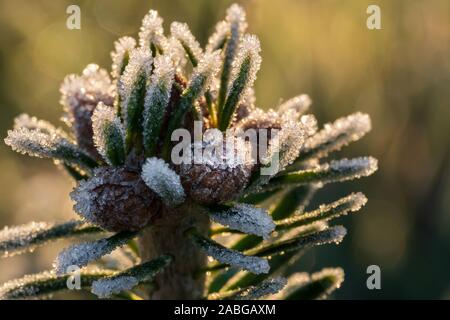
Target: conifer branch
{"x": 45, "y": 283}
{"x": 26, "y": 238}
{"x": 341, "y": 207}
{"x": 317, "y": 286}
{"x": 228, "y": 256}
{"x": 267, "y": 287}
{"x": 82, "y": 254}
{"x": 128, "y": 279}
{"x": 335, "y": 171}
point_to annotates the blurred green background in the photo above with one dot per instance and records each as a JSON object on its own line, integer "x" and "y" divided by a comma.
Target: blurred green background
{"x": 400, "y": 75}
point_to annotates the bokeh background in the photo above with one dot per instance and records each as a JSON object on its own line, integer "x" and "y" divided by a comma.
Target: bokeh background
{"x": 400, "y": 75}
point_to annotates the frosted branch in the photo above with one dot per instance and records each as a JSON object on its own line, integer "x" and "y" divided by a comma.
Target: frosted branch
{"x": 128, "y": 279}
{"x": 181, "y": 32}
{"x": 44, "y": 284}
{"x": 228, "y": 256}
{"x": 82, "y": 254}
{"x": 236, "y": 23}
{"x": 243, "y": 75}
{"x": 121, "y": 55}
{"x": 37, "y": 143}
{"x": 132, "y": 87}
{"x": 245, "y": 218}
{"x": 336, "y": 135}
{"x": 151, "y": 35}
{"x": 319, "y": 285}
{"x": 333, "y": 234}
{"x": 26, "y": 238}
{"x": 335, "y": 171}
{"x": 267, "y": 287}
{"x": 108, "y": 134}
{"x": 156, "y": 101}
{"x": 300, "y": 104}
{"x": 351, "y": 203}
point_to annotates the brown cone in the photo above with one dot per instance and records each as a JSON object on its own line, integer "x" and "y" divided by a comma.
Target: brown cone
{"x": 80, "y": 96}
{"x": 116, "y": 199}
{"x": 208, "y": 184}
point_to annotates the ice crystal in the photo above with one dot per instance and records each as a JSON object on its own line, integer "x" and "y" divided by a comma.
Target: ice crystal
{"x": 83, "y": 197}
{"x": 80, "y": 96}
{"x": 249, "y": 49}
{"x": 138, "y": 69}
{"x": 336, "y": 135}
{"x": 204, "y": 73}
{"x": 336, "y": 275}
{"x": 82, "y": 254}
{"x": 20, "y": 239}
{"x": 236, "y": 20}
{"x": 328, "y": 280}
{"x": 16, "y": 239}
{"x": 265, "y": 288}
{"x": 299, "y": 103}
{"x": 338, "y": 208}
{"x": 218, "y": 38}
{"x": 24, "y": 287}
{"x": 157, "y": 100}
{"x": 33, "y": 123}
{"x": 121, "y": 55}
{"x": 232, "y": 257}
{"x": 164, "y": 181}
{"x": 151, "y": 33}
{"x": 104, "y": 288}
{"x": 351, "y": 168}
{"x": 181, "y": 32}
{"x": 129, "y": 278}
{"x": 334, "y": 171}
{"x": 44, "y": 284}
{"x": 235, "y": 258}
{"x": 108, "y": 134}
{"x": 333, "y": 234}
{"x": 39, "y": 144}
{"x": 236, "y": 17}
{"x": 176, "y": 53}
{"x": 294, "y": 281}
{"x": 94, "y": 84}
{"x": 290, "y": 139}
{"x": 245, "y": 218}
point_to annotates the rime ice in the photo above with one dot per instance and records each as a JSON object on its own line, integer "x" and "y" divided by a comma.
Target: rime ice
{"x": 108, "y": 132}
{"x": 151, "y": 32}
{"x": 246, "y": 218}
{"x": 338, "y": 134}
{"x": 181, "y": 32}
{"x": 123, "y": 48}
{"x": 104, "y": 288}
{"x": 163, "y": 180}
{"x": 267, "y": 287}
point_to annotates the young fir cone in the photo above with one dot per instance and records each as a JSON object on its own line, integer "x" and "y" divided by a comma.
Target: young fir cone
{"x": 80, "y": 97}
{"x": 219, "y": 174}
{"x": 116, "y": 199}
